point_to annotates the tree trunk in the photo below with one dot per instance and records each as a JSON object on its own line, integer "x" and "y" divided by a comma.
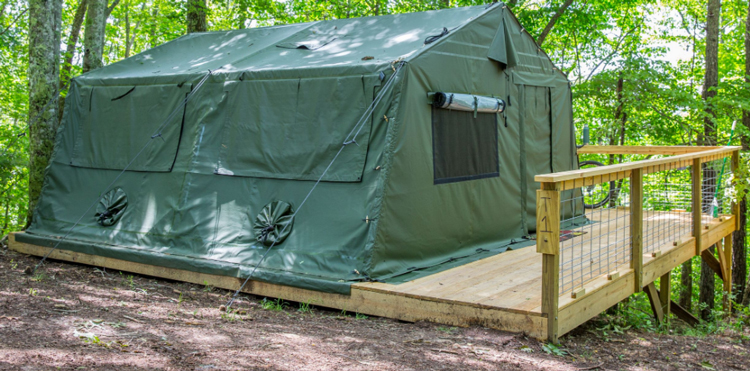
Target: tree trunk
{"x": 707, "y": 289}
{"x": 739, "y": 254}
{"x": 196, "y": 16}
{"x": 6, "y": 223}
{"x": 242, "y": 11}
{"x": 70, "y": 50}
{"x": 127, "y": 29}
{"x": 93, "y": 37}
{"x": 710, "y": 82}
{"x": 154, "y": 25}
{"x": 552, "y": 21}
{"x": 45, "y": 19}
{"x": 686, "y": 285}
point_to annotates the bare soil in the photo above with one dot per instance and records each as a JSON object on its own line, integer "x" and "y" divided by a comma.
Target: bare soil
{"x": 73, "y": 317}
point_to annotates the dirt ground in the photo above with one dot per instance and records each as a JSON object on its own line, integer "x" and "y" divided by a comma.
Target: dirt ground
{"x": 75, "y": 317}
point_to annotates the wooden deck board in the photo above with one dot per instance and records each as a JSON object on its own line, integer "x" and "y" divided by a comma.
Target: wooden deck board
{"x": 501, "y": 291}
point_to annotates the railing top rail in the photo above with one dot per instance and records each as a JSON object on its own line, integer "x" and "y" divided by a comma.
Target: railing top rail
{"x": 584, "y": 177}
{"x": 643, "y": 150}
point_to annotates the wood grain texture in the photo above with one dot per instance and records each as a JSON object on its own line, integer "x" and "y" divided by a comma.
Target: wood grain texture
{"x": 548, "y": 222}
{"x": 655, "y": 300}
{"x": 502, "y": 291}
{"x": 643, "y": 150}
{"x": 361, "y": 300}
{"x": 697, "y": 199}
{"x": 648, "y": 166}
{"x": 636, "y": 227}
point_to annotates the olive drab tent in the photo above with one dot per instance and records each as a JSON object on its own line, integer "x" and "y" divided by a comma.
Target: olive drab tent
{"x": 419, "y": 135}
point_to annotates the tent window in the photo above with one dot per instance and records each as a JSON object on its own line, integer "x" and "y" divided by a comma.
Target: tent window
{"x": 113, "y": 124}
{"x": 464, "y": 147}
{"x": 291, "y": 129}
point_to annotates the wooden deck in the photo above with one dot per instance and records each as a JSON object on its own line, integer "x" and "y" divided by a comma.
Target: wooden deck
{"x": 502, "y": 292}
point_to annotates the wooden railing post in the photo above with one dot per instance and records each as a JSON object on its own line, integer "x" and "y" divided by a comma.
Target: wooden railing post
{"x": 636, "y": 226}
{"x": 697, "y": 195}
{"x": 548, "y": 244}
{"x": 665, "y": 293}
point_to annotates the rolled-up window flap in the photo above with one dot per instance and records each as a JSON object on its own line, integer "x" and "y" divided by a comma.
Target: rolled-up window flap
{"x": 467, "y": 102}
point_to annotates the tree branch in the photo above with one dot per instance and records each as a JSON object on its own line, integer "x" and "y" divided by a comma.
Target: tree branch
{"x": 608, "y": 57}
{"x": 111, "y": 8}
{"x": 14, "y": 21}
{"x": 552, "y": 21}
{"x": 2, "y": 10}
{"x": 70, "y": 50}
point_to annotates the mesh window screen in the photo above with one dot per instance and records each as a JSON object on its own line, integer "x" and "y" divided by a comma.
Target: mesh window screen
{"x": 464, "y": 147}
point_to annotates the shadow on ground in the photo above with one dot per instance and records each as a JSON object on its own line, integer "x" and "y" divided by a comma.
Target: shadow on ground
{"x": 72, "y": 316}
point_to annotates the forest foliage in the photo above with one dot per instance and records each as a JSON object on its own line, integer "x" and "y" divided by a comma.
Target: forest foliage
{"x": 636, "y": 66}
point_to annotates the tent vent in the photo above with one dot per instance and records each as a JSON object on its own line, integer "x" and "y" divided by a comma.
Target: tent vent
{"x": 313, "y": 42}
{"x": 274, "y": 223}
{"x": 111, "y": 207}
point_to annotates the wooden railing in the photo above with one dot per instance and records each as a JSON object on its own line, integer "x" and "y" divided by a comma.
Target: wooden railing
{"x": 555, "y": 185}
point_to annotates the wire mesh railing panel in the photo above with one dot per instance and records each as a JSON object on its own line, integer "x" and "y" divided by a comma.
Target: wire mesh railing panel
{"x": 594, "y": 232}
{"x": 716, "y": 189}
{"x": 595, "y": 228}
{"x": 667, "y": 208}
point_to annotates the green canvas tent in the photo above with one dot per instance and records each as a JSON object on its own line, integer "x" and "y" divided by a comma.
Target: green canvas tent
{"x": 424, "y": 130}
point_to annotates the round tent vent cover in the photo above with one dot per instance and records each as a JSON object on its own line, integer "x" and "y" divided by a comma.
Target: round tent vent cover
{"x": 274, "y": 223}
{"x": 111, "y": 207}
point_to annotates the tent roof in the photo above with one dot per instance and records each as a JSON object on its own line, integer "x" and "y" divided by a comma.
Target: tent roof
{"x": 355, "y": 44}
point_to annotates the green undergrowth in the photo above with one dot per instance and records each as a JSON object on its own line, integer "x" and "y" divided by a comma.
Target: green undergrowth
{"x": 635, "y": 314}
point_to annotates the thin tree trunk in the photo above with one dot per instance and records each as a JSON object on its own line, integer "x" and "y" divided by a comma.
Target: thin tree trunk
{"x": 553, "y": 20}
{"x": 710, "y": 82}
{"x": 707, "y": 289}
{"x": 686, "y": 285}
{"x": 45, "y": 19}
{"x": 196, "y": 16}
{"x": 7, "y": 216}
{"x": 70, "y": 50}
{"x": 739, "y": 254}
{"x": 93, "y": 38}
{"x": 129, "y": 42}
{"x": 621, "y": 116}
{"x": 242, "y": 10}
{"x": 154, "y": 26}
{"x": 127, "y": 29}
